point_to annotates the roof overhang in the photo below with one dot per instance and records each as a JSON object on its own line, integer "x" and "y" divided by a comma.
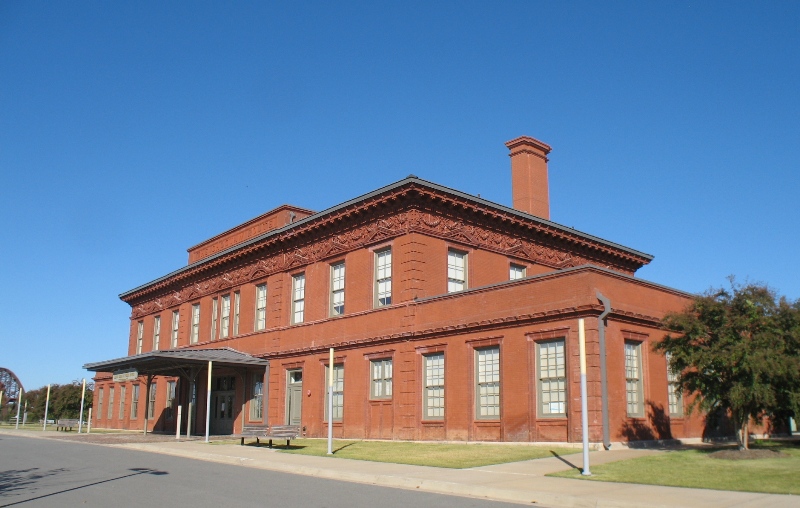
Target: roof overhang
{"x": 175, "y": 362}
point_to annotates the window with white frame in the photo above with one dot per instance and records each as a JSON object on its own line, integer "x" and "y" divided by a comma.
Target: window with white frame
{"x": 261, "y": 307}
{"x": 337, "y": 289}
{"x": 633, "y": 378}
{"x": 170, "y": 399}
{"x": 383, "y": 277}
{"x": 516, "y": 272}
{"x": 552, "y": 378}
{"x": 139, "y": 336}
{"x": 257, "y": 399}
{"x": 110, "y": 414}
{"x": 237, "y": 297}
{"x": 225, "y": 317}
{"x": 214, "y": 310}
{"x": 156, "y": 333}
{"x": 381, "y": 378}
{"x": 195, "y": 332}
{"x": 151, "y": 402}
{"x": 338, "y": 392}
{"x": 433, "y": 393}
{"x": 675, "y": 396}
{"x": 298, "y": 297}
{"x": 99, "y": 403}
{"x": 456, "y": 270}
{"x": 487, "y": 386}
{"x": 135, "y": 402}
{"x": 122, "y": 393}
{"x": 176, "y": 322}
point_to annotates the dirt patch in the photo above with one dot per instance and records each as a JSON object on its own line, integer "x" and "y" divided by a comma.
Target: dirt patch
{"x": 748, "y": 454}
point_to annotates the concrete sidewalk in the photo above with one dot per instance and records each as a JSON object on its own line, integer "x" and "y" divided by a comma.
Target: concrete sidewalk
{"x": 518, "y": 482}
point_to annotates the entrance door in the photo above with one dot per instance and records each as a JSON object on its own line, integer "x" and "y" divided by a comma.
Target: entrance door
{"x": 294, "y": 396}
{"x": 222, "y": 410}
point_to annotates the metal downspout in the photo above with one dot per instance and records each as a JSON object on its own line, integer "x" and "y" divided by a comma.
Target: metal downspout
{"x": 601, "y": 327}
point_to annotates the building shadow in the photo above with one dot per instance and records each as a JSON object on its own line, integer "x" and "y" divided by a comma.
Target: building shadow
{"x": 653, "y": 430}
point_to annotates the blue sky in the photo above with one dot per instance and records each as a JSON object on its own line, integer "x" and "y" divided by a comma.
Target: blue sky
{"x": 131, "y": 131}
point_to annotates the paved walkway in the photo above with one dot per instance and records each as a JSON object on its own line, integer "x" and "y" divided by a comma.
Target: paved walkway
{"x": 519, "y": 482}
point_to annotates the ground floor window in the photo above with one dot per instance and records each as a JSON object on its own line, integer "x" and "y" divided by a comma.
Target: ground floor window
{"x": 151, "y": 402}
{"x": 338, "y": 392}
{"x": 110, "y": 403}
{"x": 552, "y": 389}
{"x": 487, "y": 386}
{"x": 675, "y": 398}
{"x": 170, "y": 399}
{"x": 381, "y": 378}
{"x": 135, "y": 402}
{"x": 99, "y": 403}
{"x": 433, "y": 394}
{"x": 122, "y": 393}
{"x": 633, "y": 378}
{"x": 257, "y": 399}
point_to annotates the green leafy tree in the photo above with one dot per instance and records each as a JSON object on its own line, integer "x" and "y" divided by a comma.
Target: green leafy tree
{"x": 65, "y": 401}
{"x": 738, "y": 350}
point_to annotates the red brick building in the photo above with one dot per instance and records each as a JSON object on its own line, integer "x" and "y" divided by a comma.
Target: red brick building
{"x": 451, "y": 317}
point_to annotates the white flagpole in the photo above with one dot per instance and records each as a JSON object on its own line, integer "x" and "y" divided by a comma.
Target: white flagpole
{"x": 330, "y": 403}
{"x": 208, "y": 401}
{"x": 20, "y": 393}
{"x": 80, "y": 418}
{"x": 584, "y": 402}
{"x": 46, "y": 407}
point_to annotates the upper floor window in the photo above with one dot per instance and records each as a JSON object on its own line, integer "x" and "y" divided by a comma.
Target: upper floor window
{"x": 298, "y": 297}
{"x": 337, "y": 289}
{"x": 552, "y": 378}
{"x": 381, "y": 378}
{"x": 214, "y": 310}
{"x": 139, "y": 336}
{"x": 237, "y": 297}
{"x": 487, "y": 387}
{"x": 156, "y": 332}
{"x": 516, "y": 272}
{"x": 261, "y": 307}
{"x": 383, "y": 277}
{"x": 195, "y": 332}
{"x": 176, "y": 321}
{"x": 456, "y": 270}
{"x": 633, "y": 378}
{"x": 225, "y": 316}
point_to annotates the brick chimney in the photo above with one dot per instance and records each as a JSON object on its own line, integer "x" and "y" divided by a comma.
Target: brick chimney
{"x": 529, "y": 190}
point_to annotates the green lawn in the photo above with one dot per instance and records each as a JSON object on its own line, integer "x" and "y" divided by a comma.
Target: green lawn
{"x": 694, "y": 468}
{"x": 457, "y": 456}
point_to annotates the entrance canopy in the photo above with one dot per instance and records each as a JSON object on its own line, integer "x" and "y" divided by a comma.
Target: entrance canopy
{"x": 177, "y": 362}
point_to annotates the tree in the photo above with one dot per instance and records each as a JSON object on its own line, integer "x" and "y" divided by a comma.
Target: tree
{"x": 65, "y": 401}
{"x": 737, "y": 350}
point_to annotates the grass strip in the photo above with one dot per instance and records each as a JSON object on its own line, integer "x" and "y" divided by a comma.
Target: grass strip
{"x": 694, "y": 468}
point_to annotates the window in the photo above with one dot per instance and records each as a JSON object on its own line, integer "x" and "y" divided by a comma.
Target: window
{"x": 487, "y": 386}
{"x": 170, "y": 399}
{"x": 675, "y": 396}
{"x": 433, "y": 394}
{"x": 225, "y": 316}
{"x": 456, "y": 271}
{"x": 381, "y": 378}
{"x": 195, "y": 334}
{"x": 100, "y": 403}
{"x": 516, "y": 272}
{"x": 236, "y": 300}
{"x": 261, "y": 307}
{"x": 338, "y": 392}
{"x": 337, "y": 289}
{"x": 633, "y": 378}
{"x": 176, "y": 320}
{"x": 552, "y": 378}
{"x": 383, "y": 277}
{"x": 156, "y": 332}
{"x": 139, "y": 336}
{"x": 151, "y": 402}
{"x": 122, "y": 392}
{"x": 110, "y": 414}
{"x": 135, "y": 402}
{"x": 257, "y": 399}
{"x": 214, "y": 309}
{"x": 298, "y": 297}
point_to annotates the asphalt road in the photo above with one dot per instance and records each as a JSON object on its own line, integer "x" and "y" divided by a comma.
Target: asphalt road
{"x": 49, "y": 472}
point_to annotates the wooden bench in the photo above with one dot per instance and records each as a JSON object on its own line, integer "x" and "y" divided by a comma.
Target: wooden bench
{"x": 66, "y": 424}
{"x": 287, "y": 432}
{"x": 256, "y": 431}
